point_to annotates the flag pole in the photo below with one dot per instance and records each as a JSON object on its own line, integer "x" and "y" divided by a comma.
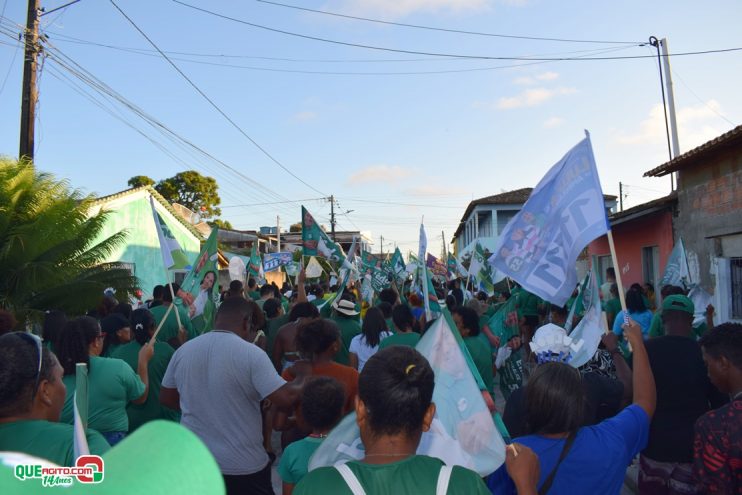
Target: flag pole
{"x": 162, "y": 322}
{"x": 617, "y": 270}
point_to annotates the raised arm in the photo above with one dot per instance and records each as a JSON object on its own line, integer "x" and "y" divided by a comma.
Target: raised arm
{"x": 645, "y": 393}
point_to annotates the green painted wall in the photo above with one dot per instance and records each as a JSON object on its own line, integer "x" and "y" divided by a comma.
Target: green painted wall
{"x": 142, "y": 247}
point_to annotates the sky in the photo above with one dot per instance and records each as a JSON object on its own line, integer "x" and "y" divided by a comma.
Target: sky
{"x": 416, "y": 130}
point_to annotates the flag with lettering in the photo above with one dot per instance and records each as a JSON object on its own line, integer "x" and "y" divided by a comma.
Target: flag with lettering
{"x": 587, "y": 334}
{"x": 566, "y": 210}
{"x": 398, "y": 266}
{"x": 455, "y": 268}
{"x": 197, "y": 290}
{"x": 274, "y": 261}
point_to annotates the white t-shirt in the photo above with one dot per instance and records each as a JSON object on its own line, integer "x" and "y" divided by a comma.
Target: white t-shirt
{"x": 360, "y": 348}
{"x": 221, "y": 380}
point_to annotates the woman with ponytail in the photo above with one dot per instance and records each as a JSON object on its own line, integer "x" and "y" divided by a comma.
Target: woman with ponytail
{"x": 143, "y": 325}
{"x": 393, "y": 409}
{"x": 111, "y": 382}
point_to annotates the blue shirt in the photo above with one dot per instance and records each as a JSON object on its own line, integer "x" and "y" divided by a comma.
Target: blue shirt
{"x": 643, "y": 319}
{"x": 597, "y": 461}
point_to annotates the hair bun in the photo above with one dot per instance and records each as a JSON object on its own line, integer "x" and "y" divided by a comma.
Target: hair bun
{"x": 139, "y": 326}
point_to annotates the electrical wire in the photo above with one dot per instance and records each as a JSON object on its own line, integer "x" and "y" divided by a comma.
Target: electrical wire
{"x": 700, "y": 99}
{"x": 10, "y": 67}
{"x": 438, "y": 54}
{"x": 214, "y": 105}
{"x": 430, "y": 28}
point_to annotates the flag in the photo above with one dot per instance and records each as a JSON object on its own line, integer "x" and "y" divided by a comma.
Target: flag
{"x": 504, "y": 323}
{"x": 398, "y": 266}
{"x": 462, "y": 432}
{"x": 422, "y": 272}
{"x": 588, "y": 332}
{"x": 293, "y": 268}
{"x": 676, "y": 270}
{"x": 197, "y": 290}
{"x": 566, "y": 210}
{"x": 436, "y": 266}
{"x": 255, "y": 266}
{"x": 172, "y": 254}
{"x": 80, "y": 411}
{"x": 455, "y": 268}
{"x": 431, "y": 298}
{"x": 274, "y": 261}
{"x": 314, "y": 269}
{"x": 481, "y": 270}
{"x": 317, "y": 243}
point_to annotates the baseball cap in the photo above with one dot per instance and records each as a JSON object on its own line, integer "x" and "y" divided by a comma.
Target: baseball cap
{"x": 678, "y": 302}
{"x": 160, "y": 458}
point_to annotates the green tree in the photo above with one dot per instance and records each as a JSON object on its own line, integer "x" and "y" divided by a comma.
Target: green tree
{"x": 221, "y": 224}
{"x": 295, "y": 227}
{"x": 49, "y": 256}
{"x": 194, "y": 191}
{"x": 140, "y": 180}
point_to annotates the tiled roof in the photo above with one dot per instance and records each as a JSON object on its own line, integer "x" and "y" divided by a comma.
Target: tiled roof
{"x": 644, "y": 209}
{"x": 726, "y": 140}
{"x": 158, "y": 197}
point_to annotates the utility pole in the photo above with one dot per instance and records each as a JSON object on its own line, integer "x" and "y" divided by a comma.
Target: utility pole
{"x": 29, "y": 93}
{"x": 278, "y": 233}
{"x": 444, "y": 252}
{"x": 657, "y": 44}
{"x": 620, "y": 196}
{"x": 332, "y": 216}
{"x": 381, "y": 245}
{"x": 670, "y": 100}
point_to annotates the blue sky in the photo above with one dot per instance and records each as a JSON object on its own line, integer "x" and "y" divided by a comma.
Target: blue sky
{"x": 382, "y": 131}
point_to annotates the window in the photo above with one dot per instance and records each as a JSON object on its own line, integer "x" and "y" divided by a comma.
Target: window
{"x": 735, "y": 266}
{"x": 484, "y": 223}
{"x": 503, "y": 217}
{"x": 650, "y": 265}
{"x": 601, "y": 264}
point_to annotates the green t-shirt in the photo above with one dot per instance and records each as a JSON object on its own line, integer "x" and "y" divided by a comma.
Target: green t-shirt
{"x": 390, "y": 325}
{"x": 482, "y": 357}
{"x": 349, "y": 328}
{"x": 271, "y": 331}
{"x": 112, "y": 384}
{"x": 410, "y": 339}
{"x": 411, "y": 476}
{"x": 613, "y": 306}
{"x": 295, "y": 459}
{"x": 656, "y": 329}
{"x": 152, "y": 409}
{"x": 169, "y": 329}
{"x": 253, "y": 294}
{"x": 51, "y": 441}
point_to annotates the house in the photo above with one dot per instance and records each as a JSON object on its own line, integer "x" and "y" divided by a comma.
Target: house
{"x": 344, "y": 238}
{"x": 643, "y": 236}
{"x": 486, "y": 218}
{"x": 709, "y": 195}
{"x": 130, "y": 211}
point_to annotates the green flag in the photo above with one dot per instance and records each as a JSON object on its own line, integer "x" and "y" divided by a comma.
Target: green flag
{"x": 504, "y": 323}
{"x": 255, "y": 267}
{"x": 197, "y": 291}
{"x": 317, "y": 243}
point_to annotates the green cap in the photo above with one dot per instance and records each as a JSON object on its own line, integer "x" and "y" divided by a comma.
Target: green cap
{"x": 678, "y": 302}
{"x": 161, "y": 457}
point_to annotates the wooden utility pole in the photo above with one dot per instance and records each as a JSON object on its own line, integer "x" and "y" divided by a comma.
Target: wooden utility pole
{"x": 30, "y": 94}
{"x": 332, "y": 216}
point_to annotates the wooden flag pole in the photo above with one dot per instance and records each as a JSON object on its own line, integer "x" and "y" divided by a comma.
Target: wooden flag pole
{"x": 172, "y": 294}
{"x": 617, "y": 270}
{"x": 164, "y": 318}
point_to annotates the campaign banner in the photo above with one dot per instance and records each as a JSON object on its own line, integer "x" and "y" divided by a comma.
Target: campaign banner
{"x": 274, "y": 261}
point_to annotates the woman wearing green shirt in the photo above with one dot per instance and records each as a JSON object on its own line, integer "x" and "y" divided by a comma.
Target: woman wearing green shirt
{"x": 393, "y": 409}
{"x": 111, "y": 382}
{"x": 143, "y": 324}
{"x": 31, "y": 397}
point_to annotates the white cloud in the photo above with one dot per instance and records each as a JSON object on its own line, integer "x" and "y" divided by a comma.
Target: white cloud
{"x": 379, "y": 173}
{"x": 694, "y": 127}
{"x": 548, "y": 76}
{"x": 304, "y": 116}
{"x": 524, "y": 81}
{"x": 401, "y": 8}
{"x": 553, "y": 122}
{"x": 532, "y": 97}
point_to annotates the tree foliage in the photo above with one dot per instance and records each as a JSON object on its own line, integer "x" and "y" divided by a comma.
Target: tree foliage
{"x": 295, "y": 227}
{"x": 221, "y": 224}
{"x": 141, "y": 180}
{"x": 50, "y": 254}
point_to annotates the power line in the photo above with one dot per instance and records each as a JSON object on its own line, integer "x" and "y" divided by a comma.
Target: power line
{"x": 390, "y": 203}
{"x": 701, "y": 100}
{"x": 430, "y": 28}
{"x": 447, "y": 55}
{"x": 214, "y": 105}
{"x": 271, "y": 203}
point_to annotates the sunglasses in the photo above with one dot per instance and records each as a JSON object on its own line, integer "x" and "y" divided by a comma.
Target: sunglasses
{"x": 36, "y": 341}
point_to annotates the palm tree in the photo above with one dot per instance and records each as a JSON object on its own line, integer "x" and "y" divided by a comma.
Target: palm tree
{"x": 49, "y": 257}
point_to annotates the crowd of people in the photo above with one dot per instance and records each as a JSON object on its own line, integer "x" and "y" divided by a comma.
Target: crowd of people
{"x": 663, "y": 391}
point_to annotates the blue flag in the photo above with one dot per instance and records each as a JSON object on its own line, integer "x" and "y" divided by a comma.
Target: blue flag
{"x": 566, "y": 210}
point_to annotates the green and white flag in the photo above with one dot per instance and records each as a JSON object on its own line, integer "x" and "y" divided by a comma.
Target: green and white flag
{"x": 172, "y": 254}
{"x": 255, "y": 267}
{"x": 482, "y": 270}
{"x": 317, "y": 243}
{"x": 197, "y": 291}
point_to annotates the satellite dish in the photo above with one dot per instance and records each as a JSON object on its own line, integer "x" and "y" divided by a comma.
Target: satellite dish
{"x": 237, "y": 269}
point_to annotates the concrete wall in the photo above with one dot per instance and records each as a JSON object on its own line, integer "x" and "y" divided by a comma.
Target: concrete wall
{"x": 710, "y": 208}
{"x": 142, "y": 248}
{"x": 654, "y": 229}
